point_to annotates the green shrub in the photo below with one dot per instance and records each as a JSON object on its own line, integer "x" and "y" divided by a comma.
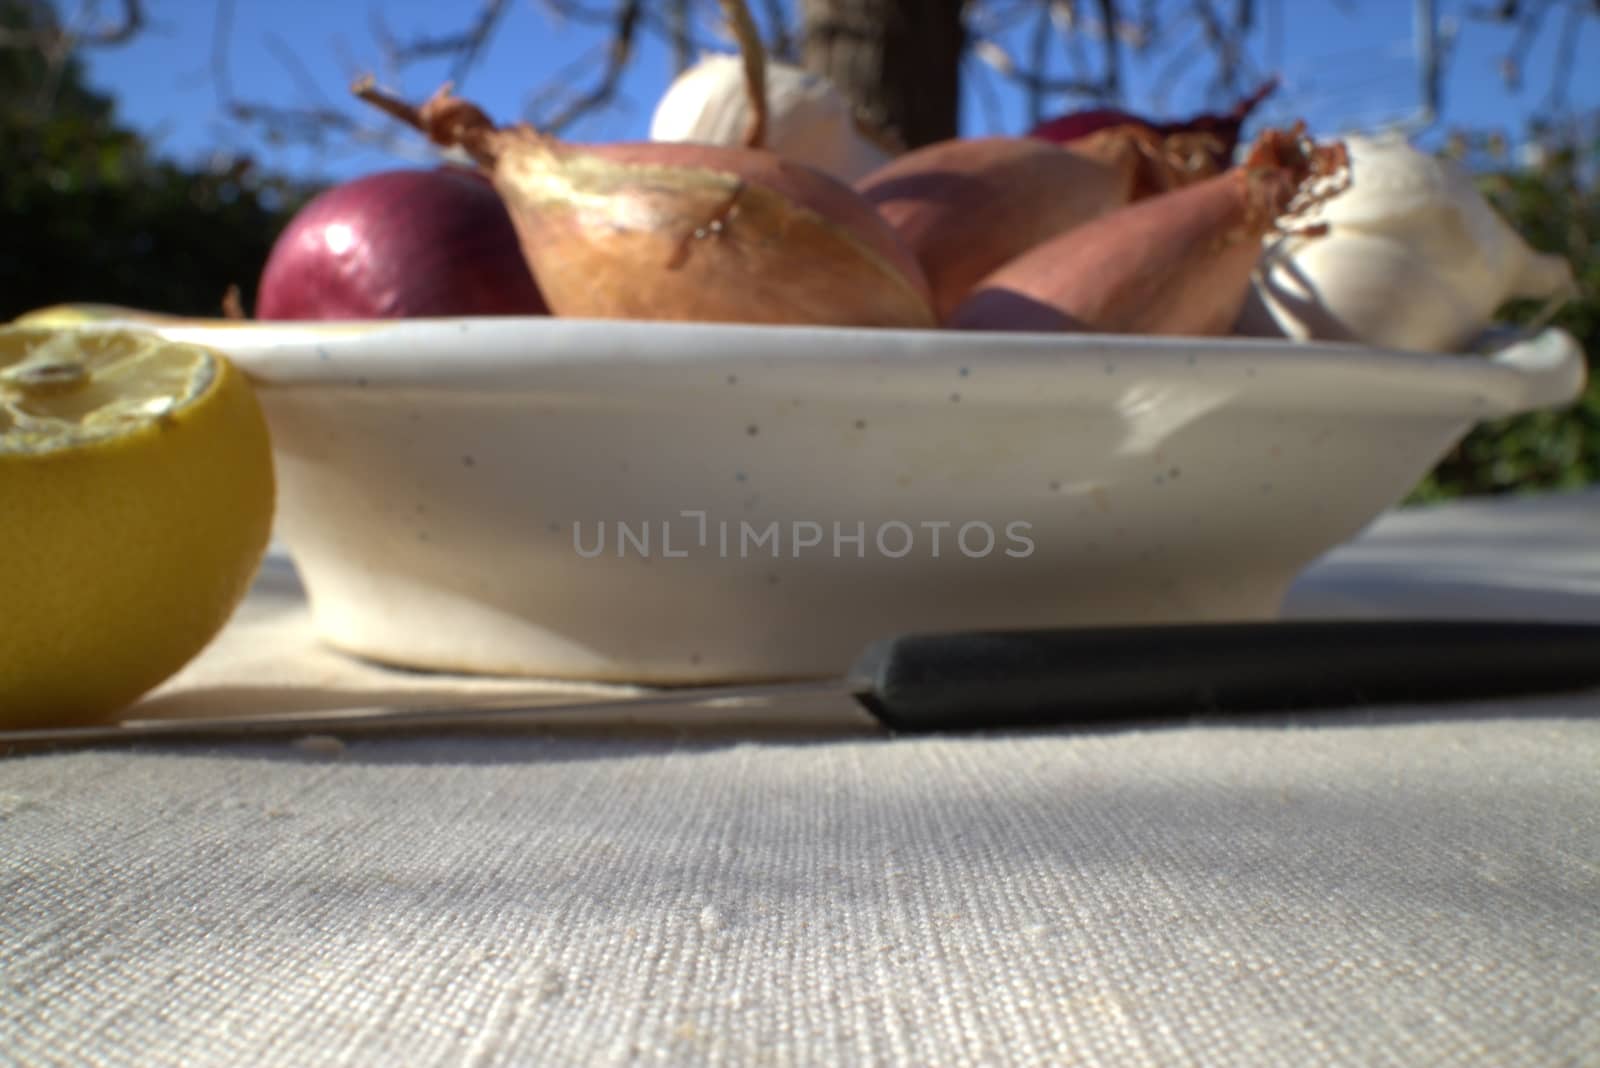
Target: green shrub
{"x": 1556, "y": 206}
{"x": 92, "y": 214}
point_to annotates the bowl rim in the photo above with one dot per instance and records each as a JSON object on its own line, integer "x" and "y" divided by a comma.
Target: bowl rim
{"x": 1505, "y": 372}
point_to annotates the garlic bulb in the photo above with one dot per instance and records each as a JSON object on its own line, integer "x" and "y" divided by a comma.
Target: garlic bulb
{"x": 1413, "y": 258}
{"x": 809, "y": 121}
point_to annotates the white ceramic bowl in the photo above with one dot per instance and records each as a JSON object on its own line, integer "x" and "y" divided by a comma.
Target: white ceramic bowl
{"x": 432, "y": 475}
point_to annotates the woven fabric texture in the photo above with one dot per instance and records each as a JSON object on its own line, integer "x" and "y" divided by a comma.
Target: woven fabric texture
{"x": 1321, "y": 893}
{"x": 1393, "y": 887}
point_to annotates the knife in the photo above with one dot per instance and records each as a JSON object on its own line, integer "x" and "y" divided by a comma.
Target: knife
{"x": 983, "y": 680}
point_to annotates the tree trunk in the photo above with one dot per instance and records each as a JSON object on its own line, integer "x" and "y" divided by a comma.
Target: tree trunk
{"x": 899, "y": 60}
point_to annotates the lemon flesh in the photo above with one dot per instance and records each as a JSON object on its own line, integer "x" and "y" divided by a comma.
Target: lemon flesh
{"x": 136, "y": 500}
{"x": 82, "y": 314}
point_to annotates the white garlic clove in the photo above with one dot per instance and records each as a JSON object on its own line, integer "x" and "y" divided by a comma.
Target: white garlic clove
{"x": 809, "y": 121}
{"x": 1544, "y": 277}
{"x": 1390, "y": 182}
{"x": 1414, "y": 257}
{"x": 1361, "y": 288}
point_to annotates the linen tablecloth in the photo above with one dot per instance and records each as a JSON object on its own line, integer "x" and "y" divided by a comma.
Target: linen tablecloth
{"x": 1391, "y": 886}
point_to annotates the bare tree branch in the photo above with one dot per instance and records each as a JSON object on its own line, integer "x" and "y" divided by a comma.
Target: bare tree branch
{"x": 130, "y": 21}
{"x": 1529, "y": 19}
{"x": 1067, "y": 21}
{"x": 302, "y": 77}
{"x": 119, "y": 31}
{"x": 388, "y": 44}
{"x": 782, "y": 46}
{"x": 1039, "y": 46}
{"x": 988, "y": 97}
{"x": 994, "y": 55}
{"x": 313, "y": 124}
{"x": 56, "y": 43}
{"x": 993, "y": 18}
{"x": 682, "y": 36}
{"x": 1149, "y": 24}
{"x": 1112, "y": 47}
{"x": 606, "y": 17}
{"x": 1515, "y": 57}
{"x": 1273, "y": 31}
{"x": 1176, "y": 67}
{"x": 556, "y": 89}
{"x": 1065, "y": 48}
{"x": 465, "y": 46}
{"x": 221, "y": 35}
{"x": 1566, "y": 59}
{"x": 1221, "y": 43}
{"x": 618, "y": 54}
{"x": 1244, "y": 17}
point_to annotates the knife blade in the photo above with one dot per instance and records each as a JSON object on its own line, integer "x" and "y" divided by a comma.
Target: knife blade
{"x": 985, "y": 680}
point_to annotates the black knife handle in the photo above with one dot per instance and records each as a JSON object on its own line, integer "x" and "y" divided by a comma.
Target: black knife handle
{"x": 971, "y": 681}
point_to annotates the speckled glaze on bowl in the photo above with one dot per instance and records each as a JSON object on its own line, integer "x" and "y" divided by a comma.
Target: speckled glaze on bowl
{"x": 443, "y": 483}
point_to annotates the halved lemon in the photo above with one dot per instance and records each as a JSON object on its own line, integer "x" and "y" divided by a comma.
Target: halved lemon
{"x": 136, "y": 501}
{"x": 82, "y": 314}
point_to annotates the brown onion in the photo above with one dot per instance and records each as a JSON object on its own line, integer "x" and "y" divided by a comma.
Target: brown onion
{"x": 682, "y": 231}
{"x": 1178, "y": 264}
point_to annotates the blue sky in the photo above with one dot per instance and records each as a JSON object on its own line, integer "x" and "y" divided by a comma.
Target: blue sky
{"x": 1345, "y": 66}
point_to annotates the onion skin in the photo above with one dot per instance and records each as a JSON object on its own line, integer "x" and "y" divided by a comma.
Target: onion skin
{"x": 1158, "y": 162}
{"x": 399, "y": 244}
{"x": 965, "y": 207}
{"x": 1414, "y": 258}
{"x": 1219, "y": 131}
{"x": 1176, "y": 265}
{"x": 631, "y": 231}
{"x": 1068, "y": 128}
{"x": 703, "y": 233}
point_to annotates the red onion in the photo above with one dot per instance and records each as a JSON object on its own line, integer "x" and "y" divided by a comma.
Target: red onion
{"x": 1224, "y": 127}
{"x": 400, "y": 244}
